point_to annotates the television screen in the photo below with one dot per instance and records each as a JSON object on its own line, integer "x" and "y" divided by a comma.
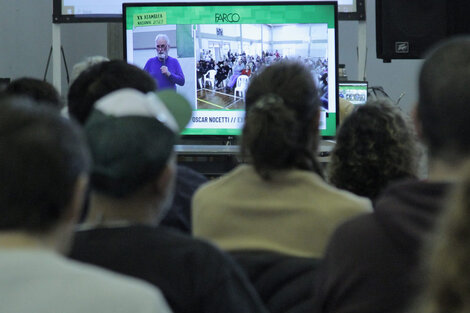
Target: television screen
{"x": 353, "y": 91}
{"x": 70, "y": 11}
{"x": 213, "y": 49}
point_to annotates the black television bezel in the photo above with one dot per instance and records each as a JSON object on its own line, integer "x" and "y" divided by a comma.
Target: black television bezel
{"x": 59, "y": 18}
{"x": 358, "y": 15}
{"x": 233, "y": 139}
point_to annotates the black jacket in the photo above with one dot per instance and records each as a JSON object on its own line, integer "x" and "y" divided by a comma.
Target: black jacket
{"x": 193, "y": 275}
{"x": 187, "y": 182}
{"x": 372, "y": 262}
{"x": 285, "y": 283}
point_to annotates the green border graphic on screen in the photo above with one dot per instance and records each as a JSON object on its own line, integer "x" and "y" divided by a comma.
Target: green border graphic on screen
{"x": 353, "y": 88}
{"x": 149, "y": 19}
{"x": 253, "y": 14}
{"x": 187, "y": 14}
{"x": 329, "y": 131}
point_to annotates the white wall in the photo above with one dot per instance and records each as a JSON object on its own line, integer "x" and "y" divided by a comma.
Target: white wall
{"x": 26, "y": 32}
{"x": 397, "y": 77}
{"x": 26, "y": 39}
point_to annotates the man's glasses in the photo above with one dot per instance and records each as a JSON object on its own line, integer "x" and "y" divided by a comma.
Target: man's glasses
{"x": 161, "y": 46}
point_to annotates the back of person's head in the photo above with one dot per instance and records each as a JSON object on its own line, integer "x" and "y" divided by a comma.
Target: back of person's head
{"x": 41, "y": 91}
{"x": 281, "y": 124}
{"x": 101, "y": 79}
{"x": 375, "y": 145}
{"x": 87, "y": 63}
{"x": 131, "y": 137}
{"x": 447, "y": 255}
{"x": 43, "y": 156}
{"x": 444, "y": 97}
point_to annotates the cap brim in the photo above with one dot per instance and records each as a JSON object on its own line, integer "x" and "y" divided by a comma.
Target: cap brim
{"x": 178, "y": 106}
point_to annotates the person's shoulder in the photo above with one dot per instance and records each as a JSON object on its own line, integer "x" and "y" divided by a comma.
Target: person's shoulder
{"x": 239, "y": 173}
{"x": 185, "y": 244}
{"x": 228, "y": 185}
{"x": 354, "y": 237}
{"x": 361, "y": 225}
{"x": 151, "y": 60}
{"x": 361, "y": 203}
{"x": 331, "y": 196}
{"x": 176, "y": 239}
{"x": 357, "y": 263}
{"x": 188, "y": 177}
{"x": 172, "y": 59}
{"x": 150, "y": 63}
{"x": 98, "y": 276}
{"x": 113, "y": 287}
{"x": 165, "y": 246}
{"x": 365, "y": 240}
{"x": 205, "y": 258}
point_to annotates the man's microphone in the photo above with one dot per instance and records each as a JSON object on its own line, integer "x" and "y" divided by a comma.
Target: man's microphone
{"x": 163, "y": 60}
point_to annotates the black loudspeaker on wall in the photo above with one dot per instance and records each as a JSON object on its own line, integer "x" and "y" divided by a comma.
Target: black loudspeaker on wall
{"x": 405, "y": 29}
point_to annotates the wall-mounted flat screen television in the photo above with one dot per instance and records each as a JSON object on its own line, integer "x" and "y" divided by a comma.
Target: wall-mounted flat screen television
{"x": 214, "y": 48}
{"x": 73, "y": 11}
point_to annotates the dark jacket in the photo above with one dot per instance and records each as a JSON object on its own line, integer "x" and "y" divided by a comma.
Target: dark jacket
{"x": 193, "y": 275}
{"x": 187, "y": 182}
{"x": 372, "y": 262}
{"x": 285, "y": 283}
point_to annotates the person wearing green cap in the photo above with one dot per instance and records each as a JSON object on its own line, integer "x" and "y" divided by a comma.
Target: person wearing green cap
{"x": 107, "y": 76}
{"x": 131, "y": 137}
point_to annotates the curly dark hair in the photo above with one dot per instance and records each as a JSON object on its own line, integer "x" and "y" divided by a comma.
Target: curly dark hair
{"x": 375, "y": 145}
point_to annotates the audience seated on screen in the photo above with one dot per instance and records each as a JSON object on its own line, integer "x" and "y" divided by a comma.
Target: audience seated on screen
{"x": 39, "y": 90}
{"x": 103, "y": 78}
{"x": 43, "y": 173}
{"x": 318, "y": 66}
{"x": 278, "y": 202}
{"x": 375, "y": 146}
{"x": 371, "y": 263}
{"x": 132, "y": 187}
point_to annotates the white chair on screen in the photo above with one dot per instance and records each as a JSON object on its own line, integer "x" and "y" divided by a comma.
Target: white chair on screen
{"x": 242, "y": 84}
{"x": 209, "y": 77}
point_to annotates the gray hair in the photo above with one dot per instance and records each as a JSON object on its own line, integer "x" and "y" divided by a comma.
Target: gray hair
{"x": 88, "y": 62}
{"x": 164, "y": 36}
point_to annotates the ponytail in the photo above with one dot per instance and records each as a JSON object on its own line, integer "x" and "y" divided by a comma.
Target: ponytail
{"x": 272, "y": 138}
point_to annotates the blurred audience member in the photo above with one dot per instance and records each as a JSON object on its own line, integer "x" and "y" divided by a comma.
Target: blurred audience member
{"x": 246, "y": 71}
{"x": 88, "y": 62}
{"x": 106, "y": 77}
{"x": 372, "y": 262}
{"x": 44, "y": 164}
{"x": 446, "y": 260}
{"x": 132, "y": 189}
{"x": 40, "y": 91}
{"x": 99, "y": 80}
{"x": 374, "y": 147}
{"x": 278, "y": 202}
